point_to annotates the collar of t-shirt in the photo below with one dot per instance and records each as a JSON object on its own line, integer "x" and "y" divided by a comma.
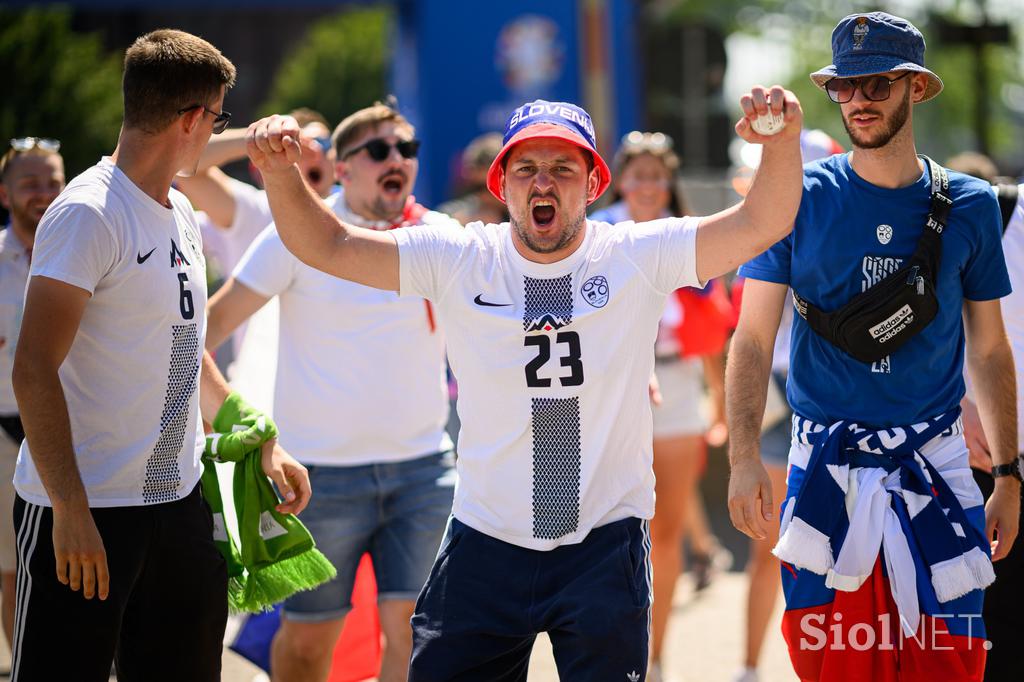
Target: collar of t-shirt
{"x": 412, "y": 214}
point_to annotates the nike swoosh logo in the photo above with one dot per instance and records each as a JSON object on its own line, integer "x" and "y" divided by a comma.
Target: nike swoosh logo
{"x": 142, "y": 259}
{"x": 479, "y": 301}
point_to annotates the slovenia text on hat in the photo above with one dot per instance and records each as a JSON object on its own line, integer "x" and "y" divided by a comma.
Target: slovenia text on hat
{"x": 864, "y": 44}
{"x": 551, "y": 120}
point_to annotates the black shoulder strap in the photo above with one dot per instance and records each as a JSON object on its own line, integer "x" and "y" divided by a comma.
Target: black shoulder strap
{"x": 1007, "y": 196}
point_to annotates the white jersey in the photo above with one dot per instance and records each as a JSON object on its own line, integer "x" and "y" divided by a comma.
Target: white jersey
{"x": 131, "y": 377}
{"x": 14, "y": 262}
{"x": 553, "y": 363}
{"x": 1013, "y": 304}
{"x": 360, "y": 372}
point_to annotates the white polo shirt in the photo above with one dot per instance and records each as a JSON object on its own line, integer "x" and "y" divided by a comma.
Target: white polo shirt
{"x": 131, "y": 377}
{"x": 553, "y": 363}
{"x": 360, "y": 371}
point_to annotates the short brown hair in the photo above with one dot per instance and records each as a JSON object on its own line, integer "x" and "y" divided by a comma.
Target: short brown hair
{"x": 305, "y": 116}
{"x": 166, "y": 71}
{"x": 7, "y": 160}
{"x": 358, "y": 123}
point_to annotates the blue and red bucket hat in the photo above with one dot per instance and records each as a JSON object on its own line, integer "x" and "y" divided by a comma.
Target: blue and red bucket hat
{"x": 550, "y": 120}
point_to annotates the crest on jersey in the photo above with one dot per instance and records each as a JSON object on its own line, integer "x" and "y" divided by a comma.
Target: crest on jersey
{"x": 595, "y": 291}
{"x": 177, "y": 257}
{"x": 884, "y": 234}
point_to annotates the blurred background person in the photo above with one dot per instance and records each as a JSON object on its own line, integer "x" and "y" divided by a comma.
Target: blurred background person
{"x": 688, "y": 350}
{"x": 762, "y": 566}
{"x": 475, "y": 202}
{"x": 1003, "y": 598}
{"x": 31, "y": 177}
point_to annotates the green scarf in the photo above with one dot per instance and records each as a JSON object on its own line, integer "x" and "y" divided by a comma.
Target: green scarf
{"x": 275, "y": 556}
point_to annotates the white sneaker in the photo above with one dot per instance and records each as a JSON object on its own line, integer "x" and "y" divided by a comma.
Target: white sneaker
{"x": 746, "y": 675}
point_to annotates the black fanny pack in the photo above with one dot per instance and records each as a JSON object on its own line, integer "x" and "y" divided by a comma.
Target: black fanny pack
{"x": 877, "y": 322}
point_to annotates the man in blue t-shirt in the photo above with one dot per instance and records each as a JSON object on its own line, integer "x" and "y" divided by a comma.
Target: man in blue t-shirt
{"x": 860, "y": 220}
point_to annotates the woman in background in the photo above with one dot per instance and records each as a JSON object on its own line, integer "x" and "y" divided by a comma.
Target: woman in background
{"x": 688, "y": 350}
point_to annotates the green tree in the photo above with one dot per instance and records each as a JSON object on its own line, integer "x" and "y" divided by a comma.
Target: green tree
{"x": 60, "y": 84}
{"x": 341, "y": 66}
{"x": 942, "y": 127}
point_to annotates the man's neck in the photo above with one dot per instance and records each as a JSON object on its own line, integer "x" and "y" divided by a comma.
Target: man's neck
{"x": 149, "y": 161}
{"x": 893, "y": 166}
{"x": 25, "y": 236}
{"x": 361, "y": 210}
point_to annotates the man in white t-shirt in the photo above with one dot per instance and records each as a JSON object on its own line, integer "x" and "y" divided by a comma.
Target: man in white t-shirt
{"x": 1003, "y": 597}
{"x": 31, "y": 177}
{"x": 550, "y": 321}
{"x": 111, "y": 377}
{"x": 361, "y": 399}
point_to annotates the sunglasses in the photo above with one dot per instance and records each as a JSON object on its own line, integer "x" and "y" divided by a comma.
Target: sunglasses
{"x": 637, "y": 142}
{"x": 875, "y": 88}
{"x": 379, "y": 149}
{"x": 24, "y": 144}
{"x": 220, "y": 121}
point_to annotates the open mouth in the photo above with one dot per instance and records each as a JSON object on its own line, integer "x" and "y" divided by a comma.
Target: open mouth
{"x": 392, "y": 184}
{"x": 543, "y": 212}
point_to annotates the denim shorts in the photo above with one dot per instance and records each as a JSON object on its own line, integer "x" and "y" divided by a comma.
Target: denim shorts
{"x": 396, "y": 511}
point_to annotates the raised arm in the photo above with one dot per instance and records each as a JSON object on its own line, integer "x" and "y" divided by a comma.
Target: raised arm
{"x": 731, "y": 237}
{"x": 307, "y": 226}
{"x": 746, "y": 388}
{"x": 209, "y": 188}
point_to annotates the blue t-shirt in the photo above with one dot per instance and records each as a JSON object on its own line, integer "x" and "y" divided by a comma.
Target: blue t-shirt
{"x": 850, "y": 234}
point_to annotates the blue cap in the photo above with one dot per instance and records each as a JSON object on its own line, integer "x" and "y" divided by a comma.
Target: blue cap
{"x": 865, "y": 44}
{"x": 542, "y": 119}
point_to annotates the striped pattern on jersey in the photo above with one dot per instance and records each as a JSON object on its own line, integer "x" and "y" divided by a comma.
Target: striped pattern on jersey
{"x": 163, "y": 475}
{"x": 555, "y": 422}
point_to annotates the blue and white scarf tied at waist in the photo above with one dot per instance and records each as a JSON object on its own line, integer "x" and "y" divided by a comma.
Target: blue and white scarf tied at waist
{"x": 865, "y": 490}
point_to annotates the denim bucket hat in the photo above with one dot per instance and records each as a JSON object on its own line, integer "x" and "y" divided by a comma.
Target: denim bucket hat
{"x": 865, "y": 44}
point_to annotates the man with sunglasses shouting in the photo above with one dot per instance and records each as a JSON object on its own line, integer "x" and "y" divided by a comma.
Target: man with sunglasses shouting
{"x": 116, "y": 553}
{"x": 551, "y": 321}
{"x": 894, "y": 263}
{"x": 360, "y": 399}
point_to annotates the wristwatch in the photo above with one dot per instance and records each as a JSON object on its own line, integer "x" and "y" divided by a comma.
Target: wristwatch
{"x": 1014, "y": 468}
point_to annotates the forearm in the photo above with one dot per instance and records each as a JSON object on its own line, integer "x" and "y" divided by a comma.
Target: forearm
{"x": 772, "y": 203}
{"x": 307, "y": 227}
{"x": 44, "y": 414}
{"x": 995, "y": 392}
{"x": 746, "y": 388}
{"x": 224, "y": 148}
{"x": 213, "y": 389}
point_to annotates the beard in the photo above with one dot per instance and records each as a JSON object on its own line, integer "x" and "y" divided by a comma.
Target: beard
{"x": 24, "y": 217}
{"x": 568, "y": 233}
{"x": 896, "y": 121}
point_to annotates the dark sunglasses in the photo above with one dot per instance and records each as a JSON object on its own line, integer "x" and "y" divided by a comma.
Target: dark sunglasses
{"x": 23, "y": 144}
{"x": 380, "y": 149}
{"x": 875, "y": 88}
{"x": 220, "y": 121}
